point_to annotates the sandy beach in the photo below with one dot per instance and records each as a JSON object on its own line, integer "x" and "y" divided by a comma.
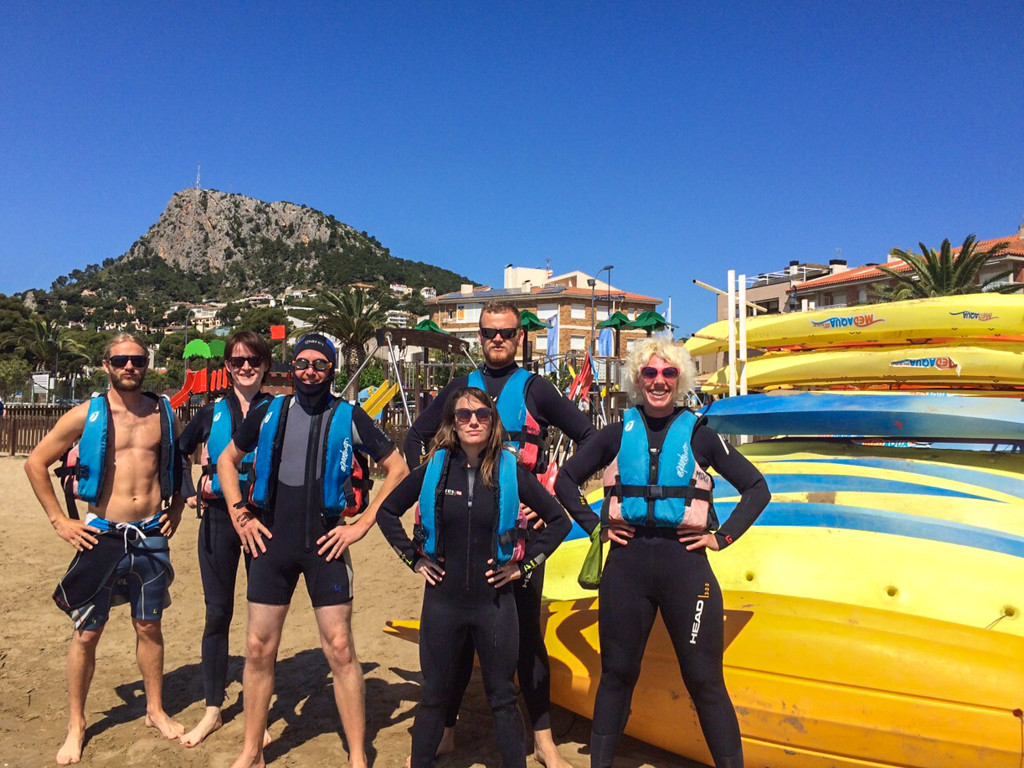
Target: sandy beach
{"x": 303, "y": 720}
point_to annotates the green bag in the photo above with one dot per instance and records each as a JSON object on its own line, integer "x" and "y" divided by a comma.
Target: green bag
{"x": 593, "y": 563}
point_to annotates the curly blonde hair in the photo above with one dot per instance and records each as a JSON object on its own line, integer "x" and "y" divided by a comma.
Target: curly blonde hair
{"x": 669, "y": 351}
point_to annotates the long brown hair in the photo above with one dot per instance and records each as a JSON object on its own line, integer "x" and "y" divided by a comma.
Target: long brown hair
{"x": 447, "y": 437}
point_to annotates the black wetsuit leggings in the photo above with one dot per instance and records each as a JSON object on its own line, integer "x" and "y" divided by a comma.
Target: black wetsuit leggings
{"x": 654, "y": 571}
{"x": 219, "y": 550}
{"x": 533, "y": 667}
{"x": 445, "y": 627}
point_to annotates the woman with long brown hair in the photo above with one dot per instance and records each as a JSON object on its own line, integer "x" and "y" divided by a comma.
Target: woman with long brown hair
{"x": 469, "y": 547}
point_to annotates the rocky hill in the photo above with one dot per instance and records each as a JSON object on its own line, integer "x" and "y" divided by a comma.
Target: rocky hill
{"x": 267, "y": 246}
{"x": 209, "y": 245}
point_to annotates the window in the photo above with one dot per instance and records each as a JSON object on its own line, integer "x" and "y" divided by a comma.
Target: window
{"x": 578, "y": 311}
{"x": 546, "y": 311}
{"x": 577, "y": 342}
{"x": 540, "y": 342}
{"x": 468, "y": 313}
{"x": 602, "y": 313}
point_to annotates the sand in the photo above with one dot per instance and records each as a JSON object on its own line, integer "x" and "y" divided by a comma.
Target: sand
{"x": 304, "y": 723}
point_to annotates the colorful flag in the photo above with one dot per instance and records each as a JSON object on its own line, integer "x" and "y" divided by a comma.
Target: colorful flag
{"x": 581, "y": 384}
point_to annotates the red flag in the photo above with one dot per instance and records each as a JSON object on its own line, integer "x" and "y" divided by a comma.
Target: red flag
{"x": 581, "y": 384}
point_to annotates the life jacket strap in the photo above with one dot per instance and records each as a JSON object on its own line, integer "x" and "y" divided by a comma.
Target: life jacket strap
{"x": 523, "y": 436}
{"x": 656, "y": 492}
{"x": 512, "y": 537}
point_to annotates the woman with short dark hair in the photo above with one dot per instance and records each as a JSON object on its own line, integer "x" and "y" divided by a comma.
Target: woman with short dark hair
{"x": 247, "y": 359}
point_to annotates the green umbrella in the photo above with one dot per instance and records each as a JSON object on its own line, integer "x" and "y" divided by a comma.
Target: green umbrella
{"x": 530, "y": 322}
{"x": 426, "y": 324}
{"x": 429, "y": 325}
{"x": 651, "y": 321}
{"x": 618, "y": 321}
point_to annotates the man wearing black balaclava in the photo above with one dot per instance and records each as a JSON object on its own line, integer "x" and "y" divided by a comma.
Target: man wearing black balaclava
{"x": 303, "y": 487}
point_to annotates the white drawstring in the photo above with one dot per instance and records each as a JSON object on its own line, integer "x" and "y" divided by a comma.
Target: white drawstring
{"x": 126, "y": 529}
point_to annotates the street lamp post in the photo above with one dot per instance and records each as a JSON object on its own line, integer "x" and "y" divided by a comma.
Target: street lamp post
{"x": 608, "y": 363}
{"x": 55, "y": 340}
{"x": 593, "y": 347}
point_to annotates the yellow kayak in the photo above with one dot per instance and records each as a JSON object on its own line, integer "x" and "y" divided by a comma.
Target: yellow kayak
{"x": 988, "y": 316}
{"x": 819, "y": 684}
{"x": 953, "y": 365}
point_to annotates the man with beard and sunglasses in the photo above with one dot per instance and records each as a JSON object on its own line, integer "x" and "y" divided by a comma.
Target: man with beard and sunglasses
{"x": 528, "y": 404}
{"x": 293, "y": 522}
{"x": 132, "y": 471}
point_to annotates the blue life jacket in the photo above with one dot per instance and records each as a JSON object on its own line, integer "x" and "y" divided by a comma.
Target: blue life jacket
{"x": 222, "y": 428}
{"x": 509, "y": 534}
{"x": 523, "y": 431}
{"x": 663, "y": 489}
{"x": 339, "y": 495}
{"x": 83, "y": 467}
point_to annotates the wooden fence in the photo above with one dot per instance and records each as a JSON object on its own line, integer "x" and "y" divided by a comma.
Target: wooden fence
{"x": 23, "y": 425}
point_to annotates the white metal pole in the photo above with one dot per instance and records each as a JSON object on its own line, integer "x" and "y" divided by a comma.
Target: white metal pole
{"x": 741, "y": 302}
{"x": 731, "y": 322}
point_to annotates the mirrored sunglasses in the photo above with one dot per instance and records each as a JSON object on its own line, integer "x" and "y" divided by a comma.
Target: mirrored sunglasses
{"x": 650, "y": 373}
{"x": 318, "y": 365}
{"x": 120, "y": 361}
{"x": 463, "y": 415}
{"x": 505, "y": 333}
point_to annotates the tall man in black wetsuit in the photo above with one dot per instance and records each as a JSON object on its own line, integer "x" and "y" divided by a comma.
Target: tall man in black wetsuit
{"x": 295, "y": 536}
{"x": 500, "y": 335}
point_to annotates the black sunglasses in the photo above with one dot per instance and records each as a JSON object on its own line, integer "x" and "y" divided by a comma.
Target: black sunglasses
{"x": 238, "y": 361}
{"x": 463, "y": 415}
{"x": 120, "y": 361}
{"x": 505, "y": 333}
{"x": 318, "y": 365}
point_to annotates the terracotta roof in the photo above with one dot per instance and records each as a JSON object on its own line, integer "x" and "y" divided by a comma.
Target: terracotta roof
{"x": 868, "y": 273}
{"x": 1014, "y": 243}
{"x": 540, "y": 292}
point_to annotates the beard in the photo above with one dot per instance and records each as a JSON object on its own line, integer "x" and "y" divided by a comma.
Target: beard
{"x": 123, "y": 384}
{"x": 499, "y": 358}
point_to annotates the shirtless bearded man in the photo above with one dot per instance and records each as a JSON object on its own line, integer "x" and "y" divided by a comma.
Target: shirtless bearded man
{"x": 139, "y": 472}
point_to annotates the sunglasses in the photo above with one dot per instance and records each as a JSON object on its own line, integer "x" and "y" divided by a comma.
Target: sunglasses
{"x": 318, "y": 365}
{"x": 650, "y": 373}
{"x": 464, "y": 415}
{"x": 120, "y": 361}
{"x": 505, "y": 333}
{"x": 238, "y": 361}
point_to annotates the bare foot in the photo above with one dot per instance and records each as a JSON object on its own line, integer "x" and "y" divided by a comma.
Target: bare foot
{"x": 247, "y": 761}
{"x": 446, "y": 747}
{"x": 211, "y": 722}
{"x": 71, "y": 752}
{"x": 267, "y": 738}
{"x": 169, "y": 729}
{"x": 546, "y": 752}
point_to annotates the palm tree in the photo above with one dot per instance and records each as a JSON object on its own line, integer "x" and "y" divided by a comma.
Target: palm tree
{"x": 945, "y": 273}
{"x": 351, "y": 316}
{"x": 44, "y": 344}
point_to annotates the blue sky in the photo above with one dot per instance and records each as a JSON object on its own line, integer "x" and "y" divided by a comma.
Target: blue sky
{"x": 671, "y": 140}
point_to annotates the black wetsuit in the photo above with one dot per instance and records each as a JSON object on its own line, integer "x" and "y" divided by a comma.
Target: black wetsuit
{"x": 550, "y": 408}
{"x": 464, "y": 607}
{"x": 295, "y": 519}
{"x": 655, "y": 571}
{"x": 219, "y": 551}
